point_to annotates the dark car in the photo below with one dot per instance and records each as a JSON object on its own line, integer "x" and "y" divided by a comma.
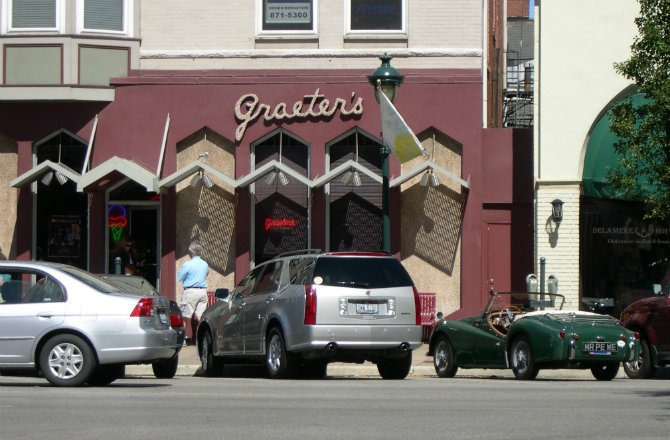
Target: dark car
{"x": 651, "y": 318}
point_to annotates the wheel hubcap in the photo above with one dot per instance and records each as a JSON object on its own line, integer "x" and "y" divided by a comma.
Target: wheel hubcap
{"x": 520, "y": 359}
{"x": 274, "y": 353}
{"x": 441, "y": 357}
{"x": 66, "y": 361}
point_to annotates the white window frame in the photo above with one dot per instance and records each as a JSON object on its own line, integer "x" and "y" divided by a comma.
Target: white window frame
{"x": 347, "y": 23}
{"x": 7, "y": 25}
{"x": 278, "y": 33}
{"x": 128, "y": 17}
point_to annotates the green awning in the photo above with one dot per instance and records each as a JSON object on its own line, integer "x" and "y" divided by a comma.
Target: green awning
{"x": 601, "y": 157}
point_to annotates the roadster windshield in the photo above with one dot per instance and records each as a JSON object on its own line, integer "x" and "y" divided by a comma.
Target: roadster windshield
{"x": 526, "y": 302}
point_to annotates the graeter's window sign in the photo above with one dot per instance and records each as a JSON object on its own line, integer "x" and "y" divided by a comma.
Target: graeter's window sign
{"x": 249, "y": 108}
{"x": 279, "y": 223}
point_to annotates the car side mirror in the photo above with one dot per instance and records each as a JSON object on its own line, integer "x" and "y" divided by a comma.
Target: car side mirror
{"x": 221, "y": 293}
{"x": 440, "y": 315}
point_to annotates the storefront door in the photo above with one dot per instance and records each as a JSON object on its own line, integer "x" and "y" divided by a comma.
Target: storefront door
{"x": 134, "y": 233}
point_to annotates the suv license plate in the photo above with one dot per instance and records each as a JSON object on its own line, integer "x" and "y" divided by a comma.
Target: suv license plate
{"x": 599, "y": 348}
{"x": 367, "y": 308}
{"x": 163, "y": 317}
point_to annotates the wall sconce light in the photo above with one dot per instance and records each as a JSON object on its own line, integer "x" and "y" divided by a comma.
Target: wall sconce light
{"x": 273, "y": 176}
{"x": 351, "y": 176}
{"x": 60, "y": 177}
{"x": 429, "y": 178}
{"x": 200, "y": 176}
{"x": 557, "y": 210}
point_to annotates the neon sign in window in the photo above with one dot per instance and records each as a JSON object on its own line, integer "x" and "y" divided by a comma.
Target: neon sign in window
{"x": 117, "y": 221}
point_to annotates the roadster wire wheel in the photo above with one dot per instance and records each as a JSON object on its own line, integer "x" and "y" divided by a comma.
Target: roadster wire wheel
{"x": 443, "y": 358}
{"x": 521, "y": 359}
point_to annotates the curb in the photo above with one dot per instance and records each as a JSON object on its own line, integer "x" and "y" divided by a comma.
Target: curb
{"x": 422, "y": 370}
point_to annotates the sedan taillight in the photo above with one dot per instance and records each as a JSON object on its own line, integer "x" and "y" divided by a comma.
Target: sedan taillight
{"x": 176, "y": 320}
{"x": 144, "y": 307}
{"x": 310, "y": 304}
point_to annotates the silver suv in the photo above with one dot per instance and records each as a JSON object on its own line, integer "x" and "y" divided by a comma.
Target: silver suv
{"x": 302, "y": 310}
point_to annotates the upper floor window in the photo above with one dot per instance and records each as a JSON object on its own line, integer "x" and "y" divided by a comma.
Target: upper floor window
{"x": 286, "y": 16}
{"x": 33, "y": 15}
{"x": 106, "y": 16}
{"x": 376, "y": 16}
{"x": 112, "y": 16}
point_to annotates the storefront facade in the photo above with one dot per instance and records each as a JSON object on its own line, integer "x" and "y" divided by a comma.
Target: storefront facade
{"x": 265, "y": 144}
{"x": 603, "y": 252}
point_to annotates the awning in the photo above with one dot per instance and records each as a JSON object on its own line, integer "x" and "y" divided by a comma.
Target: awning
{"x": 41, "y": 170}
{"x": 424, "y": 166}
{"x": 115, "y": 169}
{"x": 601, "y": 157}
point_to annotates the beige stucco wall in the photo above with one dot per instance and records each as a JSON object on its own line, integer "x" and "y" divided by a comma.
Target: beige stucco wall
{"x": 431, "y": 224}
{"x": 215, "y": 35}
{"x": 8, "y": 198}
{"x": 207, "y": 215}
{"x": 578, "y": 43}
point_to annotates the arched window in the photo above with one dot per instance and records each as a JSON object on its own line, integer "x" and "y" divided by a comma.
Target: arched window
{"x": 279, "y": 202}
{"x": 355, "y": 200}
{"x": 61, "y": 212}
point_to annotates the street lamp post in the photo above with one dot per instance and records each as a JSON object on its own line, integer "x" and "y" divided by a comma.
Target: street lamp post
{"x": 385, "y": 79}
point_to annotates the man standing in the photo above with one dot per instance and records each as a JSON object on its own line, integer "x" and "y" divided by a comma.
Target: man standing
{"x": 193, "y": 276}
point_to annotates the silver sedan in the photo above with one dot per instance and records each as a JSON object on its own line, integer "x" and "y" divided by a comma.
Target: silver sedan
{"x": 76, "y": 328}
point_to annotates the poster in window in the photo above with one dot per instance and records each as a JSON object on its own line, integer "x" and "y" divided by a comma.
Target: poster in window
{"x": 377, "y": 15}
{"x": 64, "y": 236}
{"x": 287, "y": 15}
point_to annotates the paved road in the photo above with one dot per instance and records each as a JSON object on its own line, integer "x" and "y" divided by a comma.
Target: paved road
{"x": 249, "y": 407}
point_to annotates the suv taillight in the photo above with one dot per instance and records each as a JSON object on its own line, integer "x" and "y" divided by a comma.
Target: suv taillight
{"x": 310, "y": 304}
{"x": 144, "y": 307}
{"x": 417, "y": 306}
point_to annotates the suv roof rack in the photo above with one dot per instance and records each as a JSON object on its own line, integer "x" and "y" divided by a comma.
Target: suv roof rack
{"x": 299, "y": 252}
{"x": 362, "y": 253}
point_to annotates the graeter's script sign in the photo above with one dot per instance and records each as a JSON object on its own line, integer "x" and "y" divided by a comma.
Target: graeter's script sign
{"x": 249, "y": 108}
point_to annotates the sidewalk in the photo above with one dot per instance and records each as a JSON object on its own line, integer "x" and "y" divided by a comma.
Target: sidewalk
{"x": 422, "y": 366}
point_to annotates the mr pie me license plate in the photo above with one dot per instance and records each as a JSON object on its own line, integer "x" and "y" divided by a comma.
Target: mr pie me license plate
{"x": 599, "y": 348}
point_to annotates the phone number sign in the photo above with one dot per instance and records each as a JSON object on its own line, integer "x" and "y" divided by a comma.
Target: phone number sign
{"x": 288, "y": 12}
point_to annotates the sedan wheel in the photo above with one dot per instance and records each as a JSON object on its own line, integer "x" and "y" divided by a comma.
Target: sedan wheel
{"x": 521, "y": 360}
{"x": 443, "y": 358}
{"x": 641, "y": 368}
{"x": 165, "y": 368}
{"x": 211, "y": 365}
{"x": 67, "y": 360}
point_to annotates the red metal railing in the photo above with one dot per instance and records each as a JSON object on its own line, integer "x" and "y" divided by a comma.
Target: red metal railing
{"x": 427, "y": 313}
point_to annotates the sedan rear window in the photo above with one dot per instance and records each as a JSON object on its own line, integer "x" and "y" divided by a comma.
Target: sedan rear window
{"x": 373, "y": 273}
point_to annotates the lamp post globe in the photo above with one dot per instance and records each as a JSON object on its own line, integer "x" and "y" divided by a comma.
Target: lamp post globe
{"x": 385, "y": 79}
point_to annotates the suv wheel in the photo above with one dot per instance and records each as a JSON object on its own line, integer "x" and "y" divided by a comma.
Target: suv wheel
{"x": 640, "y": 368}
{"x": 395, "y": 368}
{"x": 278, "y": 361}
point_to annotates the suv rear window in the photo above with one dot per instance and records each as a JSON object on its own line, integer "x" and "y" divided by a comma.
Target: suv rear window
{"x": 373, "y": 273}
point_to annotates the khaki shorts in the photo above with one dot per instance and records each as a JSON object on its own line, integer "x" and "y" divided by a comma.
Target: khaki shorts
{"x": 193, "y": 302}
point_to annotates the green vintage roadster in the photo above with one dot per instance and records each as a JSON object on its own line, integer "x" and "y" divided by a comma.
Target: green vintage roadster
{"x": 530, "y": 331}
